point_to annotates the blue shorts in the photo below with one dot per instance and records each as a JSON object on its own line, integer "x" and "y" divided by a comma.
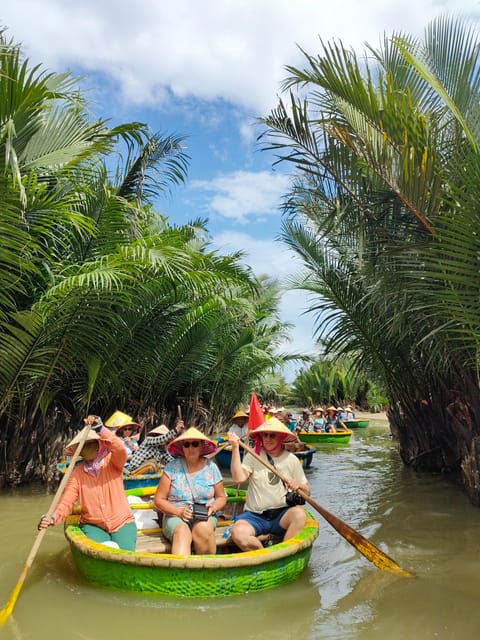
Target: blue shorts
{"x": 263, "y": 525}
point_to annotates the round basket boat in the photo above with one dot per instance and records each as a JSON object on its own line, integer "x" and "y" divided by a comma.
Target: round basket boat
{"x": 356, "y": 423}
{"x": 203, "y": 576}
{"x": 132, "y": 481}
{"x": 319, "y": 437}
{"x": 143, "y": 480}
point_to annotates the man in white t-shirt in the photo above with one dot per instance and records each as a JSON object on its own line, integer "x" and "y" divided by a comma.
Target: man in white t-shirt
{"x": 266, "y": 510}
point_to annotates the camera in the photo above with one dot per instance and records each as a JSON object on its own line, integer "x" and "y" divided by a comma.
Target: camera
{"x": 199, "y": 511}
{"x": 292, "y": 498}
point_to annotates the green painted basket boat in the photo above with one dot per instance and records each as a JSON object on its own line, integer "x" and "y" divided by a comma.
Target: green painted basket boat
{"x": 224, "y": 456}
{"x": 129, "y": 481}
{"x": 318, "y": 437}
{"x": 151, "y": 569}
{"x": 356, "y": 424}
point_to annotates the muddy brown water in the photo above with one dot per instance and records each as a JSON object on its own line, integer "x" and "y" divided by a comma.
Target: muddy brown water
{"x": 423, "y": 522}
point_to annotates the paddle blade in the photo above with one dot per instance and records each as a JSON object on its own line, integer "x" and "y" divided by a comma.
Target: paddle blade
{"x": 6, "y": 611}
{"x": 364, "y": 546}
{"x": 255, "y": 415}
{"x": 8, "y": 608}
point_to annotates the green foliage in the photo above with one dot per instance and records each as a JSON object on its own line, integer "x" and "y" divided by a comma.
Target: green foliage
{"x": 384, "y": 214}
{"x": 331, "y": 381}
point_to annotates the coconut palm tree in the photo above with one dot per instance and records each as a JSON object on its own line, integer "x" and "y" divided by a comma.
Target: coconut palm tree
{"x": 103, "y": 304}
{"x": 383, "y": 212}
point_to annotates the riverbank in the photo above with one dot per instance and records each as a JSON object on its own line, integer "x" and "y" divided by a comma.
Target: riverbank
{"x": 367, "y": 415}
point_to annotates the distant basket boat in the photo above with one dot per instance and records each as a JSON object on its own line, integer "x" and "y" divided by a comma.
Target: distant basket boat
{"x": 153, "y": 569}
{"x": 356, "y": 423}
{"x": 306, "y": 456}
{"x": 224, "y": 456}
{"x": 130, "y": 481}
{"x": 321, "y": 437}
{"x": 144, "y": 480}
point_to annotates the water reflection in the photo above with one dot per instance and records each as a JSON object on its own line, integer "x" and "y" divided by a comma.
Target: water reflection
{"x": 423, "y": 522}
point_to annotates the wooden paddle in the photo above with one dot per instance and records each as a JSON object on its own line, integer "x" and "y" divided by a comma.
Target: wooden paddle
{"x": 366, "y": 548}
{"x": 8, "y": 608}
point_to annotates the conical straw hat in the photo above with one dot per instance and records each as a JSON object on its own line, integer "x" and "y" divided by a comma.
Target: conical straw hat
{"x": 273, "y": 425}
{"x": 118, "y": 420}
{"x": 175, "y": 447}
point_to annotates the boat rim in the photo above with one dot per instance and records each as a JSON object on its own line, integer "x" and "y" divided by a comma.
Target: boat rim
{"x": 284, "y": 549}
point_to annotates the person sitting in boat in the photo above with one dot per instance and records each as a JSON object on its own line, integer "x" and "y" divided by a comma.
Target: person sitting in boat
{"x": 349, "y": 413}
{"x": 239, "y": 424}
{"x": 340, "y": 414}
{"x": 319, "y": 420}
{"x": 97, "y": 483}
{"x": 304, "y": 423}
{"x": 127, "y": 430}
{"x": 191, "y": 479}
{"x": 285, "y": 417}
{"x": 152, "y": 452}
{"x": 266, "y": 510}
{"x": 331, "y": 420}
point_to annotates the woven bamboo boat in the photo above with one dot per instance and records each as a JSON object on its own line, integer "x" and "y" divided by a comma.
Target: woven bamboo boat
{"x": 144, "y": 480}
{"x": 153, "y": 569}
{"x": 318, "y": 437}
{"x": 129, "y": 481}
{"x": 357, "y": 423}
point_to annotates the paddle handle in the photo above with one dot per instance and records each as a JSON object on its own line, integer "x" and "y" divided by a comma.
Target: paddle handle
{"x": 220, "y": 448}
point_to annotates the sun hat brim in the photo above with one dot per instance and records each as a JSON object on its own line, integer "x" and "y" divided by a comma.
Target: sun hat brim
{"x": 119, "y": 419}
{"x": 131, "y": 425}
{"x": 273, "y": 425}
{"x": 162, "y": 429}
{"x": 239, "y": 414}
{"x": 72, "y": 445}
{"x": 175, "y": 447}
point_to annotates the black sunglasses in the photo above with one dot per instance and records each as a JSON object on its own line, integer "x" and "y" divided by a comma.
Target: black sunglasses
{"x": 195, "y": 444}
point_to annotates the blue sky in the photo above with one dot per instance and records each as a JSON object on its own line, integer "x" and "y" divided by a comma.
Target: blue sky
{"x": 206, "y": 70}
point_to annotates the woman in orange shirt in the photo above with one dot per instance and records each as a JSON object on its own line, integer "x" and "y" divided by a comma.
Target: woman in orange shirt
{"x": 97, "y": 482}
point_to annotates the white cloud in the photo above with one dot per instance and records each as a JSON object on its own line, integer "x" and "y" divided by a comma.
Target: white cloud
{"x": 269, "y": 257}
{"x": 233, "y": 50}
{"x": 243, "y": 195}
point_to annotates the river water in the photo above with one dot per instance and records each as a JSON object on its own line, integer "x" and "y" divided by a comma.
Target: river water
{"x": 423, "y": 522}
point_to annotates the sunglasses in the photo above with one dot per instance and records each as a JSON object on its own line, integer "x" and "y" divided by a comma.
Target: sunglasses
{"x": 195, "y": 444}
{"x": 269, "y": 435}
